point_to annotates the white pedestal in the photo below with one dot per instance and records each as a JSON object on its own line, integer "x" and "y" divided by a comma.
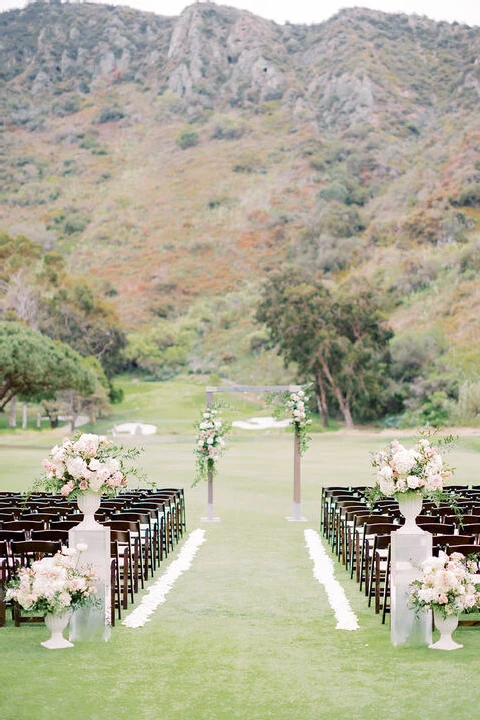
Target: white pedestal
{"x": 297, "y": 514}
{"x": 409, "y": 550}
{"x": 93, "y": 623}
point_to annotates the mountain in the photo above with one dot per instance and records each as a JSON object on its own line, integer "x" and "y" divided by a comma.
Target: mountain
{"x": 176, "y": 161}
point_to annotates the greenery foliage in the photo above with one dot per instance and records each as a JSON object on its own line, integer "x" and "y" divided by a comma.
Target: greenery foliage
{"x": 338, "y": 339}
{"x": 187, "y": 138}
{"x": 34, "y": 367}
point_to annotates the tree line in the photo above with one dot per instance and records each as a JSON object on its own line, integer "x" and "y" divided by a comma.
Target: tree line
{"x": 62, "y": 345}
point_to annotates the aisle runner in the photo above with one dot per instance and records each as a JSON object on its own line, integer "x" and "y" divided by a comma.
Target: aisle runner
{"x": 323, "y": 571}
{"x": 156, "y": 593}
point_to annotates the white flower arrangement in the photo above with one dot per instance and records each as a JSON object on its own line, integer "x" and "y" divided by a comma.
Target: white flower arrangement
{"x": 86, "y": 462}
{"x": 400, "y": 470}
{"x": 210, "y": 444}
{"x": 296, "y": 407}
{"x": 54, "y": 584}
{"x": 447, "y": 586}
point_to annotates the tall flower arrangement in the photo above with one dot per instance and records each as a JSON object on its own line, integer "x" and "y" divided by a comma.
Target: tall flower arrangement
{"x": 54, "y": 584}
{"x": 87, "y": 462}
{"x": 447, "y": 586}
{"x": 296, "y": 407}
{"x": 420, "y": 469}
{"x": 210, "y": 443}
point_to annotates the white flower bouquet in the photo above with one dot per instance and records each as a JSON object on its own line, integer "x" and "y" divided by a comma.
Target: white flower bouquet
{"x": 86, "y": 462}
{"x": 447, "y": 586}
{"x": 54, "y": 584}
{"x": 210, "y": 444}
{"x": 296, "y": 408}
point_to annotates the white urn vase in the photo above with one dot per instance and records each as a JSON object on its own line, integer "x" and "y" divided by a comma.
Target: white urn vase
{"x": 445, "y": 626}
{"x": 88, "y": 503}
{"x": 56, "y": 623}
{"x": 410, "y": 505}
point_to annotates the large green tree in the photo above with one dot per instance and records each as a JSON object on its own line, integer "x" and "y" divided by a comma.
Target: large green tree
{"x": 75, "y": 315}
{"x": 34, "y": 367}
{"x": 337, "y": 337}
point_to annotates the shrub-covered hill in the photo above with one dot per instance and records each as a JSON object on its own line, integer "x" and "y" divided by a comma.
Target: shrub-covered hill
{"x": 175, "y": 162}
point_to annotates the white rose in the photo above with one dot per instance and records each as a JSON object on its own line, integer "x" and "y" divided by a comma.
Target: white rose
{"x": 88, "y": 444}
{"x": 403, "y": 461}
{"x": 76, "y": 467}
{"x": 95, "y": 482}
{"x": 413, "y": 482}
{"x": 387, "y": 487}
{"x": 386, "y": 472}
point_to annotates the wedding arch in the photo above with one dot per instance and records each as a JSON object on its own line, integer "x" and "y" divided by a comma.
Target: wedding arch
{"x": 210, "y": 393}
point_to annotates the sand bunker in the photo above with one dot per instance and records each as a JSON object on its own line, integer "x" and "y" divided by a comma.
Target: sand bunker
{"x": 134, "y": 429}
{"x": 260, "y": 423}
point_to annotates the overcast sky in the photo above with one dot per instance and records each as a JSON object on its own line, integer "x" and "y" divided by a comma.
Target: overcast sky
{"x": 313, "y": 11}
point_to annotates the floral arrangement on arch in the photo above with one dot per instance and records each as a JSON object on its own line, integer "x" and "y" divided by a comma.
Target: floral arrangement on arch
{"x": 210, "y": 444}
{"x": 54, "y": 584}
{"x": 448, "y": 585}
{"x": 87, "y": 462}
{"x": 420, "y": 469}
{"x": 296, "y": 407}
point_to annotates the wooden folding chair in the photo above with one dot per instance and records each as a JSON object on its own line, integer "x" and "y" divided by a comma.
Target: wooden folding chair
{"x": 55, "y": 534}
{"x": 144, "y": 529}
{"x": 370, "y": 530}
{"x": 26, "y": 525}
{"x": 120, "y": 548}
{"x": 386, "y": 585}
{"x": 440, "y": 542}
{"x": 437, "y": 528}
{"x": 136, "y": 562}
{"x": 158, "y": 515}
{"x": 3, "y": 582}
{"x": 378, "y": 572}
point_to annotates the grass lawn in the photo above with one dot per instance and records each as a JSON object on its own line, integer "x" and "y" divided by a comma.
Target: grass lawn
{"x": 246, "y": 633}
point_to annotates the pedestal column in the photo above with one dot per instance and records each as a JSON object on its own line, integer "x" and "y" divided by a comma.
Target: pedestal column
{"x": 408, "y": 551}
{"x": 93, "y": 623}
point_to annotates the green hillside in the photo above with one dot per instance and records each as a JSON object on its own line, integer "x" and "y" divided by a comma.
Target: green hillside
{"x": 176, "y": 162}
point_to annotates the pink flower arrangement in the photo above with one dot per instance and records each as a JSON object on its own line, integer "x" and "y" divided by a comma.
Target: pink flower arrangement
{"x": 54, "y": 584}
{"x": 448, "y": 585}
{"x": 87, "y": 462}
{"x": 419, "y": 469}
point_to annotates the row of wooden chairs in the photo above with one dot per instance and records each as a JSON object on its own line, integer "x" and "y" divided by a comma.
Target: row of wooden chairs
{"x": 359, "y": 535}
{"x": 144, "y": 526}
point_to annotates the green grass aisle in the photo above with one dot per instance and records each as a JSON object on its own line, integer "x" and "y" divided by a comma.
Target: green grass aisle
{"x": 246, "y": 633}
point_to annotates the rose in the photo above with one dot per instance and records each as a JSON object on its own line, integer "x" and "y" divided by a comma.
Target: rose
{"x": 88, "y": 444}
{"x": 414, "y": 482}
{"x": 76, "y": 466}
{"x": 66, "y": 489}
{"x": 403, "y": 461}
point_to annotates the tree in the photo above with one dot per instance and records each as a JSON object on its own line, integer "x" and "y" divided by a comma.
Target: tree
{"x": 337, "y": 337}
{"x": 34, "y": 367}
{"x": 36, "y": 289}
{"x": 72, "y": 403}
{"x": 76, "y": 316}
{"x": 162, "y": 353}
